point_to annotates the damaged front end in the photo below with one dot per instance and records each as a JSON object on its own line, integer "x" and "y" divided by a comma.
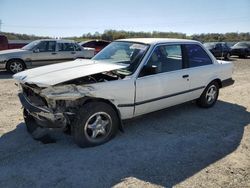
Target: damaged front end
{"x": 56, "y": 106}
{"x": 39, "y": 108}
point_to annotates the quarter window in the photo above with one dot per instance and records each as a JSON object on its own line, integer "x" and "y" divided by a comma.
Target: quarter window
{"x": 197, "y": 56}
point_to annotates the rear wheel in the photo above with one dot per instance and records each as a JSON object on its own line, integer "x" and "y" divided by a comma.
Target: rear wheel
{"x": 15, "y": 66}
{"x": 96, "y": 123}
{"x": 209, "y": 96}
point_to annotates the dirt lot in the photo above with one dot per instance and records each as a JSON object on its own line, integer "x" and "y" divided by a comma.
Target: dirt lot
{"x": 183, "y": 146}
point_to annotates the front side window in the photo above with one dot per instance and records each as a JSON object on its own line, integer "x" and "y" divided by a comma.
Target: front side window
{"x": 129, "y": 53}
{"x": 197, "y": 56}
{"x": 164, "y": 58}
{"x": 46, "y": 46}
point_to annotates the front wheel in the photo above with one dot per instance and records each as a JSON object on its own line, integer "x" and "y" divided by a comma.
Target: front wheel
{"x": 95, "y": 124}
{"x": 209, "y": 96}
{"x": 15, "y": 66}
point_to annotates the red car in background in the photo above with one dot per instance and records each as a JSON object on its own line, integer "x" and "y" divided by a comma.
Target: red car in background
{"x": 6, "y": 44}
{"x": 97, "y": 44}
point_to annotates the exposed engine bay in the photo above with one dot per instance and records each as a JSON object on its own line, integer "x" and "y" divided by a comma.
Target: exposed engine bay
{"x": 100, "y": 77}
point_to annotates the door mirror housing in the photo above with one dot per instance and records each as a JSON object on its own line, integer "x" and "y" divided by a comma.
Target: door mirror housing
{"x": 36, "y": 50}
{"x": 148, "y": 70}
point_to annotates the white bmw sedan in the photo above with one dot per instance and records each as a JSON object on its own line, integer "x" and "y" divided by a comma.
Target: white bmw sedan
{"x": 128, "y": 78}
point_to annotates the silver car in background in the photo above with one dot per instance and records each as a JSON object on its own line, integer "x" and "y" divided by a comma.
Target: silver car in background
{"x": 43, "y": 52}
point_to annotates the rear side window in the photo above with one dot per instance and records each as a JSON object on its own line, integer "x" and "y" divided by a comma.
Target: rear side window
{"x": 197, "y": 56}
{"x": 66, "y": 47}
{"x": 77, "y": 47}
{"x": 46, "y": 46}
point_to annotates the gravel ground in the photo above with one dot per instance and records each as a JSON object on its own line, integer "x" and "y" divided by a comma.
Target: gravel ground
{"x": 183, "y": 146}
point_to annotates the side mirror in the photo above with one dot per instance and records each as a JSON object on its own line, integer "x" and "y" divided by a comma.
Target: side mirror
{"x": 36, "y": 50}
{"x": 149, "y": 70}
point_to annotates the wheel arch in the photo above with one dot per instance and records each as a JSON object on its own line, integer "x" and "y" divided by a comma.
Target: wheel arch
{"x": 218, "y": 81}
{"x": 19, "y": 59}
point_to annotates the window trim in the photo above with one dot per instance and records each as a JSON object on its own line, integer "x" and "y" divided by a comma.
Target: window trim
{"x": 183, "y": 53}
{"x": 187, "y": 56}
{"x": 63, "y": 43}
{"x": 47, "y": 45}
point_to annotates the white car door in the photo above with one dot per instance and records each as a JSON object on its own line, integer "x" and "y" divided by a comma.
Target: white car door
{"x": 201, "y": 69}
{"x": 44, "y": 53}
{"x": 66, "y": 51}
{"x": 163, "y": 81}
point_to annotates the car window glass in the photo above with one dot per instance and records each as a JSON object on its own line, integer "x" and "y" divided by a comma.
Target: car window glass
{"x": 165, "y": 59}
{"x": 197, "y": 56}
{"x": 51, "y": 46}
{"x": 46, "y": 46}
{"x": 126, "y": 53}
{"x": 77, "y": 47}
{"x": 65, "y": 46}
{"x": 42, "y": 46}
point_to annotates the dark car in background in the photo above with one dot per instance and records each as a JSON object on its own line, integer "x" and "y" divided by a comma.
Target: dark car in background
{"x": 219, "y": 49}
{"x": 241, "y": 49}
{"x": 98, "y": 45}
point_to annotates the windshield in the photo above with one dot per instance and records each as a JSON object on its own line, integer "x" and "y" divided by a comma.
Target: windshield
{"x": 123, "y": 52}
{"x": 31, "y": 45}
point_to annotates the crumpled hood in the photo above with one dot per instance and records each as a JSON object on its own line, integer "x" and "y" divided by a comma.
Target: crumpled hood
{"x": 12, "y": 51}
{"x": 61, "y": 72}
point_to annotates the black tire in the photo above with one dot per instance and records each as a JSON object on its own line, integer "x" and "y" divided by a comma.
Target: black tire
{"x": 206, "y": 101}
{"x": 227, "y": 56}
{"x": 90, "y": 113}
{"x": 37, "y": 132}
{"x": 15, "y": 65}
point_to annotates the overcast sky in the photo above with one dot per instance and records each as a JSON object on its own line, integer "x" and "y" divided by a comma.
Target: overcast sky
{"x": 61, "y": 18}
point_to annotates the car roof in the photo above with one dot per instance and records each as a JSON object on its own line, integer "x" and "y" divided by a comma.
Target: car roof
{"x": 94, "y": 40}
{"x": 58, "y": 40}
{"x": 156, "y": 40}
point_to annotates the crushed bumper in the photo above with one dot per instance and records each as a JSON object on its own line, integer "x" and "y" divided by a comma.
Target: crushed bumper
{"x": 43, "y": 116}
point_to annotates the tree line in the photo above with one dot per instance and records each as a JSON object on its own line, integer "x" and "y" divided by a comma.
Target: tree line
{"x": 111, "y": 35}
{"x": 208, "y": 37}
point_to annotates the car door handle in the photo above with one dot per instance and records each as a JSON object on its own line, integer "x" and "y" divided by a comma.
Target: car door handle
{"x": 53, "y": 53}
{"x": 185, "y": 76}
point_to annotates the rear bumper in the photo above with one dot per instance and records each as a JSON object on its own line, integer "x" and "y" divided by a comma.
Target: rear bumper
{"x": 227, "y": 82}
{"x": 43, "y": 116}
